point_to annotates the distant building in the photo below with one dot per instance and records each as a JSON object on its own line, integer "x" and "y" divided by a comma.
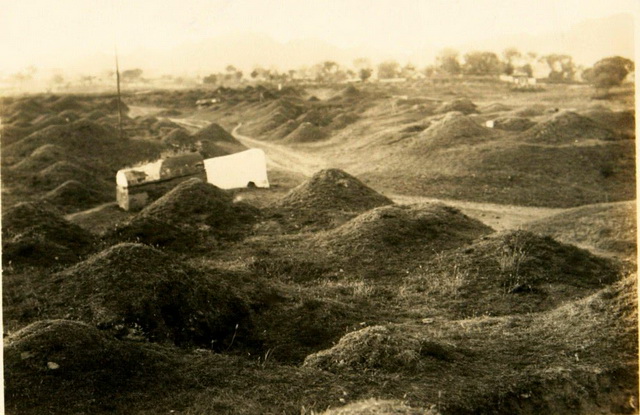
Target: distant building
{"x": 520, "y": 79}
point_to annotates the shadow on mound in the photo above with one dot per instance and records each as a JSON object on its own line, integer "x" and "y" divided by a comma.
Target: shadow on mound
{"x": 134, "y": 290}
{"x": 306, "y": 133}
{"x": 62, "y": 366}
{"x": 72, "y": 196}
{"x": 462, "y": 105}
{"x": 410, "y": 233}
{"x": 292, "y": 329}
{"x": 509, "y": 273}
{"x": 385, "y": 348}
{"x": 157, "y": 233}
{"x": 201, "y": 205}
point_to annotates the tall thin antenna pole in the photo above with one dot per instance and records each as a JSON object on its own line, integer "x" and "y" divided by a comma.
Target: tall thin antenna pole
{"x": 119, "y": 100}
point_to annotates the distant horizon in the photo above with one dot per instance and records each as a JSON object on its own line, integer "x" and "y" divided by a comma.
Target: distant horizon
{"x": 78, "y": 37}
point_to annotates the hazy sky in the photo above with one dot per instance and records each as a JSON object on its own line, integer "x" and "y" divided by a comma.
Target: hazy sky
{"x": 48, "y": 32}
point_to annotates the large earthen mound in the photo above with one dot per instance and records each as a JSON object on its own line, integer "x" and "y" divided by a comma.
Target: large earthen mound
{"x": 567, "y": 127}
{"x": 333, "y": 189}
{"x": 46, "y": 120}
{"x": 136, "y": 290}
{"x": 194, "y": 202}
{"x": 62, "y": 366}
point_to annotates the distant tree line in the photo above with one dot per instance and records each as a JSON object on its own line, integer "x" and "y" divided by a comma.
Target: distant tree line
{"x": 449, "y": 62}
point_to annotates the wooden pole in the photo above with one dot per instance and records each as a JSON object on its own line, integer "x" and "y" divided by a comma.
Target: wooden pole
{"x": 119, "y": 100}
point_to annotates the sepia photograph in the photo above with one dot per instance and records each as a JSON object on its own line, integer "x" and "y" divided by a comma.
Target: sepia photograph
{"x": 319, "y": 207}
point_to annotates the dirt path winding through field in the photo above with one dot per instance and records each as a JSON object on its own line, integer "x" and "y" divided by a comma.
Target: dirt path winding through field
{"x": 499, "y": 217}
{"x": 283, "y": 158}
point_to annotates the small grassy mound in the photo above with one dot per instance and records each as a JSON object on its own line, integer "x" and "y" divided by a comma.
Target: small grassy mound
{"x": 567, "y": 127}
{"x": 342, "y": 120}
{"x": 135, "y": 290}
{"x": 61, "y": 366}
{"x": 333, "y": 189}
{"x": 214, "y": 132}
{"x": 348, "y": 93}
{"x": 12, "y": 133}
{"x": 28, "y": 230}
{"x": 317, "y": 116}
{"x": 530, "y": 111}
{"x": 35, "y": 250}
{"x": 63, "y": 171}
{"x": 172, "y": 112}
{"x": 306, "y": 133}
{"x": 509, "y": 273}
{"x": 69, "y": 115}
{"x": 405, "y": 231}
{"x": 215, "y": 141}
{"x": 494, "y": 107}
{"x": 47, "y": 120}
{"x": 605, "y": 227}
{"x": 72, "y": 196}
{"x": 385, "y": 348}
{"x": 178, "y": 137}
{"x": 82, "y": 136}
{"x": 454, "y": 128}
{"x": 96, "y": 115}
{"x": 513, "y": 123}
{"x": 157, "y": 233}
{"x": 283, "y": 129}
{"x": 196, "y": 203}
{"x": 41, "y": 158}
{"x": 462, "y": 105}
{"x": 67, "y": 102}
